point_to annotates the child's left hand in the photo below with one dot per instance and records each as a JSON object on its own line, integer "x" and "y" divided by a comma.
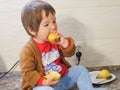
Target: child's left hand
{"x": 62, "y": 40}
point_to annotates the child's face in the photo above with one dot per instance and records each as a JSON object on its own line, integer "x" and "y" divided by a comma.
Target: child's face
{"x": 47, "y": 25}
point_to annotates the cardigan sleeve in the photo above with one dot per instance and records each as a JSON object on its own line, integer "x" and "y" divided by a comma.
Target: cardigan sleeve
{"x": 28, "y": 67}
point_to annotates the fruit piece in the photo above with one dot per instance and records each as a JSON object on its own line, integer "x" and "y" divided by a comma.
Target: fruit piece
{"x": 52, "y": 37}
{"x": 53, "y": 74}
{"x": 104, "y": 74}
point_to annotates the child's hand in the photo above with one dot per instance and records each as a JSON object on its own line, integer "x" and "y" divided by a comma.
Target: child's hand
{"x": 50, "y": 81}
{"x": 53, "y": 74}
{"x": 63, "y": 41}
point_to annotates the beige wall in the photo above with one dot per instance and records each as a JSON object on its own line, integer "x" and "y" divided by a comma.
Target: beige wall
{"x": 94, "y": 25}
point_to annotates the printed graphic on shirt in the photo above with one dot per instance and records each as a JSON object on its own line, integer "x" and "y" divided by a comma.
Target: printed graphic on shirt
{"x": 48, "y": 59}
{"x": 52, "y": 67}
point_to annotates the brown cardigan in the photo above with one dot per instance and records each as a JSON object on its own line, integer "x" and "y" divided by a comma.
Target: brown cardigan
{"x": 31, "y": 63}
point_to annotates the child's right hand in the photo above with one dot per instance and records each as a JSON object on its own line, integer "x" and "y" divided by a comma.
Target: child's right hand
{"x": 50, "y": 81}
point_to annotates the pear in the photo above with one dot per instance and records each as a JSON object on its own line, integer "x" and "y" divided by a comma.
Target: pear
{"x": 104, "y": 74}
{"x": 52, "y": 37}
{"x": 53, "y": 74}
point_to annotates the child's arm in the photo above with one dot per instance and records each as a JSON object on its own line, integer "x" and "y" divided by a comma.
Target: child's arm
{"x": 29, "y": 72}
{"x": 27, "y": 65}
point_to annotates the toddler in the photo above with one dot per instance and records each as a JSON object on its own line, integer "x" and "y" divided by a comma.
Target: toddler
{"x": 39, "y": 56}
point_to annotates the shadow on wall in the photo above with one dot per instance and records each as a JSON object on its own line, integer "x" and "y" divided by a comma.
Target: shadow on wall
{"x": 91, "y": 57}
{"x": 69, "y": 26}
{"x": 2, "y": 65}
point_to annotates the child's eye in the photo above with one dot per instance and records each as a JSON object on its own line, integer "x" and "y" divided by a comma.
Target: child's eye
{"x": 45, "y": 25}
{"x": 54, "y": 21}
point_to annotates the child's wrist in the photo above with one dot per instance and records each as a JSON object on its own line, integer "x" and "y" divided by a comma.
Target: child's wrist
{"x": 43, "y": 83}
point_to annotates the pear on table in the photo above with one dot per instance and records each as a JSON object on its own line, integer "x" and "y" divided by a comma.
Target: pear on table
{"x": 104, "y": 74}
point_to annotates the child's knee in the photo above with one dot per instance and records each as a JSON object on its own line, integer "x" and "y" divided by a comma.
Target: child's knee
{"x": 81, "y": 68}
{"x": 43, "y": 88}
{"x": 49, "y": 88}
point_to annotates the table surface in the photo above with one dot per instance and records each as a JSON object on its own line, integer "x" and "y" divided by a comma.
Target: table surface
{"x": 12, "y": 81}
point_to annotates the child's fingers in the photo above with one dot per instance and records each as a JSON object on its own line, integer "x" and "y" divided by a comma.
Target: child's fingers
{"x": 51, "y": 81}
{"x": 53, "y": 32}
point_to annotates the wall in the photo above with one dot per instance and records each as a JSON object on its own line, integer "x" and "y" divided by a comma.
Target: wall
{"x": 94, "y": 25}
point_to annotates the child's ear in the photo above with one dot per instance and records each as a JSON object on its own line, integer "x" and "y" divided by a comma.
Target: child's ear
{"x": 31, "y": 31}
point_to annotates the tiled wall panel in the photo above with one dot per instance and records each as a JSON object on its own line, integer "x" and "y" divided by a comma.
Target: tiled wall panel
{"x": 93, "y": 24}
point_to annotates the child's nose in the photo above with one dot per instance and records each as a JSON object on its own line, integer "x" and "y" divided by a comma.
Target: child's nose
{"x": 52, "y": 31}
{"x": 53, "y": 27}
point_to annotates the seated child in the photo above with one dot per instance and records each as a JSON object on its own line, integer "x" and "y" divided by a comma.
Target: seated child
{"x": 39, "y": 56}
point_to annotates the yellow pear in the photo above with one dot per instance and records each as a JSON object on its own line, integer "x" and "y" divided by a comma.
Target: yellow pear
{"x": 53, "y": 74}
{"x": 104, "y": 74}
{"x": 52, "y": 37}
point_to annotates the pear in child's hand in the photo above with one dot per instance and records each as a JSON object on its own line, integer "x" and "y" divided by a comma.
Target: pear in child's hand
{"x": 52, "y": 37}
{"x": 53, "y": 74}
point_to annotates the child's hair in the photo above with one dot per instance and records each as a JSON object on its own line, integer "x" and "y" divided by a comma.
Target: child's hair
{"x": 31, "y": 14}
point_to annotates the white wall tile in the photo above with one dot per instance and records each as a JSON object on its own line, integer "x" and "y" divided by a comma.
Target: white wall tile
{"x": 94, "y": 24}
